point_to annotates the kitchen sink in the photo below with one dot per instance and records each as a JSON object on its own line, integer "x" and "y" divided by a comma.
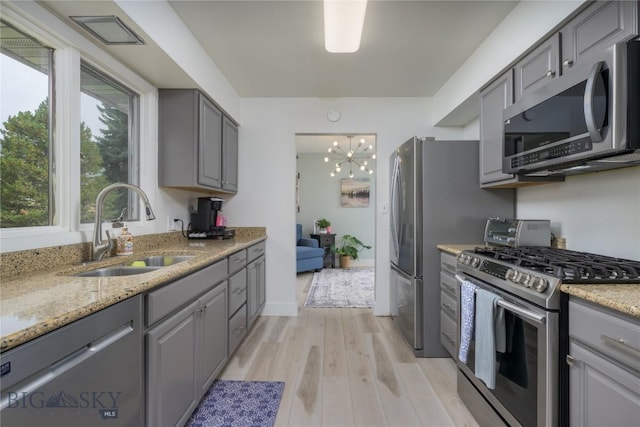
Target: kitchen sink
{"x": 116, "y": 271}
{"x": 160, "y": 260}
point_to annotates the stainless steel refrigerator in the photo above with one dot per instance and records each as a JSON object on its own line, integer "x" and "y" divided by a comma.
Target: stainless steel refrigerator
{"x": 435, "y": 198}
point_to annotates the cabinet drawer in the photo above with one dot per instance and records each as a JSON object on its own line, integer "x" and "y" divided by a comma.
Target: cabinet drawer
{"x": 237, "y": 290}
{"x": 448, "y": 262}
{"x": 448, "y": 334}
{"x": 255, "y": 251}
{"x": 449, "y": 284}
{"x": 237, "y": 261}
{"x": 173, "y": 296}
{"x": 448, "y": 305}
{"x": 237, "y": 328}
{"x": 609, "y": 334}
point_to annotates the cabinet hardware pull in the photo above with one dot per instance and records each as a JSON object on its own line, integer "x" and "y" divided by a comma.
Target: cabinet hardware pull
{"x": 567, "y": 63}
{"x": 571, "y": 361}
{"x": 621, "y": 345}
{"x": 449, "y": 309}
{"x": 551, "y": 73}
{"x": 448, "y": 338}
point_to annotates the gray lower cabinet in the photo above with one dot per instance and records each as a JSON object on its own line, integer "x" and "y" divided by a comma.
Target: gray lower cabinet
{"x": 197, "y": 143}
{"x": 214, "y": 340}
{"x": 171, "y": 369}
{"x": 604, "y": 360}
{"x": 449, "y": 297}
{"x": 237, "y": 308}
{"x": 87, "y": 373}
{"x": 537, "y": 68}
{"x": 600, "y": 25}
{"x": 186, "y": 343}
{"x": 493, "y": 100}
{"x": 256, "y": 281}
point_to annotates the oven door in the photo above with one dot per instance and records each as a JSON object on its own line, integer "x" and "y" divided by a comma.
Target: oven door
{"x": 526, "y": 386}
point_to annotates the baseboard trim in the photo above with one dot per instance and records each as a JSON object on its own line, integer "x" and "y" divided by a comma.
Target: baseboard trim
{"x": 280, "y": 309}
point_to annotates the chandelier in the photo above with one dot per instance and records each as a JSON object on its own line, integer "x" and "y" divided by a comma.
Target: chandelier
{"x": 355, "y": 158}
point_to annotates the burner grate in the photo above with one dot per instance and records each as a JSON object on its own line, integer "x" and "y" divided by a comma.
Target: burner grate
{"x": 569, "y": 266}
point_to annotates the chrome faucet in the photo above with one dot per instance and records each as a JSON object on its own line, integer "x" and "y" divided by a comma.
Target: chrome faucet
{"x": 100, "y": 247}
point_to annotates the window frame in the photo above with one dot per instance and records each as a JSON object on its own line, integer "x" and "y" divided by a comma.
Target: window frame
{"x": 70, "y": 49}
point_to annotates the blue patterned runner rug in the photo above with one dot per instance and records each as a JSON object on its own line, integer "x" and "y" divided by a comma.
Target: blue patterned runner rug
{"x": 238, "y": 404}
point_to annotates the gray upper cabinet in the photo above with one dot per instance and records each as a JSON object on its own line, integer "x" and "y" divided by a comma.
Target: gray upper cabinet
{"x": 229, "y": 155}
{"x": 493, "y": 100}
{"x": 538, "y": 67}
{"x": 597, "y": 27}
{"x": 209, "y": 144}
{"x": 197, "y": 143}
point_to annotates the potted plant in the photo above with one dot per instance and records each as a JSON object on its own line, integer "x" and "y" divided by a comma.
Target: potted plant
{"x": 323, "y": 224}
{"x": 349, "y": 248}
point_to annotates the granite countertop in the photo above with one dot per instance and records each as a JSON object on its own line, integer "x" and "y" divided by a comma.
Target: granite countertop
{"x": 34, "y": 304}
{"x": 622, "y": 298}
{"x": 455, "y": 249}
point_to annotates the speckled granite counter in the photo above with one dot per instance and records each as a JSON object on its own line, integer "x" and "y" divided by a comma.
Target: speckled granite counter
{"x": 33, "y": 304}
{"x": 456, "y": 249}
{"x": 622, "y": 298}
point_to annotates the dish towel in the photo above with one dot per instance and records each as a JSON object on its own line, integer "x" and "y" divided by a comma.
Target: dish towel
{"x": 467, "y": 307}
{"x": 485, "y": 342}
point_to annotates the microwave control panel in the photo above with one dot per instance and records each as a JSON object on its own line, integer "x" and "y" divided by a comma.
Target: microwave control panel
{"x": 563, "y": 150}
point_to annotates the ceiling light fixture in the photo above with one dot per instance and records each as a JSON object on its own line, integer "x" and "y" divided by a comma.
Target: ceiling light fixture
{"x": 109, "y": 29}
{"x": 343, "y": 22}
{"x": 358, "y": 157}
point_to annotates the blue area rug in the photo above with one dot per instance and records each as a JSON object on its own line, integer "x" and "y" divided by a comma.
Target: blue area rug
{"x": 238, "y": 404}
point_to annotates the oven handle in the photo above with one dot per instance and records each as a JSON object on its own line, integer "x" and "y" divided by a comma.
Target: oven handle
{"x": 534, "y": 317}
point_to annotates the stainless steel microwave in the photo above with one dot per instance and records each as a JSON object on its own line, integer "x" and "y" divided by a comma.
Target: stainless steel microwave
{"x": 586, "y": 120}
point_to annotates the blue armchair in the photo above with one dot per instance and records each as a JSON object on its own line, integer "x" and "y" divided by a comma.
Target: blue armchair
{"x": 309, "y": 256}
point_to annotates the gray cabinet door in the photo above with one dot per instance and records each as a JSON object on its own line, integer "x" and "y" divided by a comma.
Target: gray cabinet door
{"x": 252, "y": 292}
{"x": 262, "y": 282}
{"x": 214, "y": 341}
{"x": 599, "y": 26}
{"x": 255, "y": 288}
{"x": 209, "y": 144}
{"x": 171, "y": 369}
{"x": 538, "y": 67}
{"x": 493, "y": 100}
{"x": 601, "y": 392}
{"x": 229, "y": 155}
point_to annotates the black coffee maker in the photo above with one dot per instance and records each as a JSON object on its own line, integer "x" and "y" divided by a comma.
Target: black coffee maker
{"x": 204, "y": 220}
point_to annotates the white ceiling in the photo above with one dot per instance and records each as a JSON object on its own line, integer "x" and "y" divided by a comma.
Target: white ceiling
{"x": 275, "y": 48}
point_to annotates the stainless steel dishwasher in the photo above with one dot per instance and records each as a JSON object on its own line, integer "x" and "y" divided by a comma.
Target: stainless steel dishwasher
{"x": 88, "y": 373}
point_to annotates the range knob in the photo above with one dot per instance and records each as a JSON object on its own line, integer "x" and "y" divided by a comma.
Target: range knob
{"x": 475, "y": 262}
{"x": 525, "y": 279}
{"x": 511, "y": 275}
{"x": 539, "y": 284}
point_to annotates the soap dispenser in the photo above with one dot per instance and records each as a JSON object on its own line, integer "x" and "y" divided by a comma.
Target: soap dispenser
{"x": 125, "y": 242}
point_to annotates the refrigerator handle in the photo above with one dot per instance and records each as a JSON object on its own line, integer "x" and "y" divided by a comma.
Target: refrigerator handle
{"x": 395, "y": 232}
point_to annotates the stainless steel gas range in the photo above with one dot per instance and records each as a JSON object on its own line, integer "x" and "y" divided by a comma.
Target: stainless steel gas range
{"x": 530, "y": 386}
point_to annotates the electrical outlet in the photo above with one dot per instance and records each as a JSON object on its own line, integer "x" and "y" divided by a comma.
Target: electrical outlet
{"x": 171, "y": 225}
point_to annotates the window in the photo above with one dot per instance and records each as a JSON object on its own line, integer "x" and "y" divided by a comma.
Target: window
{"x": 108, "y": 145}
{"x": 26, "y": 116}
{"x": 108, "y": 142}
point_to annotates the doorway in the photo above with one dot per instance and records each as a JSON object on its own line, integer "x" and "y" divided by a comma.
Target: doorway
{"x": 329, "y": 186}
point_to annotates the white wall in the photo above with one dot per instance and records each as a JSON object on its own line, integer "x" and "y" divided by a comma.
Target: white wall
{"x": 267, "y": 174}
{"x": 597, "y": 212}
{"x": 455, "y": 103}
{"x": 320, "y": 198}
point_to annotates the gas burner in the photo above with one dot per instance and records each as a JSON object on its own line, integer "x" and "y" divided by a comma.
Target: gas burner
{"x": 568, "y": 266}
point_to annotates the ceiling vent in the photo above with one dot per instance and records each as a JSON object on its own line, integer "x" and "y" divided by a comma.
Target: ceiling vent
{"x": 109, "y": 29}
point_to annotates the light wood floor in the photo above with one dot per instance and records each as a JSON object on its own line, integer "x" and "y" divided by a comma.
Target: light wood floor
{"x": 346, "y": 367}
